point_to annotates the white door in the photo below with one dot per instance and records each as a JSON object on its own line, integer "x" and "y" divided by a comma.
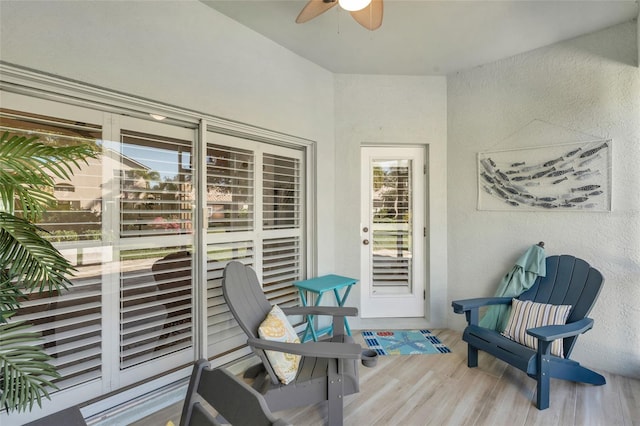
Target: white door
{"x": 393, "y": 232}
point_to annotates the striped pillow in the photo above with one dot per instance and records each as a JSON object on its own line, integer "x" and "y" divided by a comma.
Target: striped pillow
{"x": 526, "y": 314}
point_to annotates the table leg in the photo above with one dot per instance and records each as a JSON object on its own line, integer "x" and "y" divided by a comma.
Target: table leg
{"x": 341, "y": 301}
{"x": 309, "y": 328}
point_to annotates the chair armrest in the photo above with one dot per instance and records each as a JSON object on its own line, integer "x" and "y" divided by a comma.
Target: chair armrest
{"x": 549, "y": 333}
{"x": 321, "y": 310}
{"x": 316, "y": 349}
{"x": 462, "y": 306}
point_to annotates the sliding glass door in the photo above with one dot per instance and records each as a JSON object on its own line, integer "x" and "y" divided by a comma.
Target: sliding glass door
{"x": 149, "y": 226}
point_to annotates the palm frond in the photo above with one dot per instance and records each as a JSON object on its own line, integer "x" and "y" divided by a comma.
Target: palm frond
{"x": 25, "y": 374}
{"x": 29, "y": 259}
{"x": 10, "y": 297}
{"x": 27, "y": 168}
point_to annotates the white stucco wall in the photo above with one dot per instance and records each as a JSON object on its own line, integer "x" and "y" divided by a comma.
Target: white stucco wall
{"x": 186, "y": 54}
{"x": 586, "y": 86}
{"x": 391, "y": 110}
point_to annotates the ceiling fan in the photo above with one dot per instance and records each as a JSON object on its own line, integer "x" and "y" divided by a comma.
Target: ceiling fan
{"x": 367, "y": 13}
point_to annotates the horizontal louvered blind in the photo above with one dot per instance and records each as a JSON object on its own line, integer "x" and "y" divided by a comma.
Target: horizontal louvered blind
{"x": 69, "y": 320}
{"x": 281, "y": 266}
{"x": 223, "y": 332}
{"x": 156, "y": 185}
{"x": 230, "y": 189}
{"x": 155, "y": 299}
{"x": 70, "y": 323}
{"x": 391, "y": 219}
{"x": 281, "y": 192}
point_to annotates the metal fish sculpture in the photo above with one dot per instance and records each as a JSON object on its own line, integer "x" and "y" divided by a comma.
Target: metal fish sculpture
{"x": 542, "y": 173}
{"x": 560, "y": 172}
{"x": 581, "y": 172}
{"x": 547, "y": 205}
{"x": 500, "y": 192}
{"x": 502, "y": 175}
{"x": 555, "y": 182}
{"x": 594, "y": 193}
{"x": 513, "y": 203}
{"x": 578, "y": 200}
{"x": 585, "y": 188}
{"x": 589, "y": 175}
{"x": 529, "y": 168}
{"x": 547, "y": 199}
{"x": 511, "y": 190}
{"x": 574, "y": 152}
{"x": 487, "y": 177}
{"x": 487, "y": 165}
{"x": 522, "y": 163}
{"x": 590, "y": 160}
{"x": 594, "y": 150}
{"x": 520, "y": 178}
{"x": 552, "y": 162}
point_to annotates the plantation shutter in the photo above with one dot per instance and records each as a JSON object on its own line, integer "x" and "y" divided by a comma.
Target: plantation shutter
{"x": 254, "y": 218}
{"x": 231, "y": 212}
{"x": 281, "y": 200}
{"x": 155, "y": 247}
{"x": 69, "y": 320}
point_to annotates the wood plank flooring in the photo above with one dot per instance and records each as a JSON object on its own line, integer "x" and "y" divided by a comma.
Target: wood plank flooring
{"x": 442, "y": 390}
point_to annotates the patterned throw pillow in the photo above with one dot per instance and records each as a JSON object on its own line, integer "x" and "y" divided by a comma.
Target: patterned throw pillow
{"x": 276, "y": 327}
{"x": 526, "y": 314}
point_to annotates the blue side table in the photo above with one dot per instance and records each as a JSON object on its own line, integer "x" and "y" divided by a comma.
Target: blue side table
{"x": 319, "y": 286}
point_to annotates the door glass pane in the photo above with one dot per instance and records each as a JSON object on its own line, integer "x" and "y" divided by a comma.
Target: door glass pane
{"x": 156, "y": 185}
{"x": 69, "y": 320}
{"x": 392, "y": 211}
{"x": 229, "y": 189}
{"x": 155, "y": 246}
{"x": 280, "y": 192}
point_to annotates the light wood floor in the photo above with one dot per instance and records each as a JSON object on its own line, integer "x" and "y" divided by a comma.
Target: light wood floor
{"x": 442, "y": 390}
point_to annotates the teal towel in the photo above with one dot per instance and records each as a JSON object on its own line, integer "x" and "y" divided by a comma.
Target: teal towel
{"x": 530, "y": 266}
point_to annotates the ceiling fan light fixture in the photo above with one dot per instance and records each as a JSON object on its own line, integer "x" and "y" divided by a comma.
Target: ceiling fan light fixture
{"x": 353, "y": 5}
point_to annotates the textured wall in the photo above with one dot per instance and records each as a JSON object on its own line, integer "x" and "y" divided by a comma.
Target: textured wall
{"x": 185, "y": 54}
{"x": 391, "y": 110}
{"x": 559, "y": 94}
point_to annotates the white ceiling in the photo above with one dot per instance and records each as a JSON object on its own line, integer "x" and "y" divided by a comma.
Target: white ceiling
{"x": 423, "y": 37}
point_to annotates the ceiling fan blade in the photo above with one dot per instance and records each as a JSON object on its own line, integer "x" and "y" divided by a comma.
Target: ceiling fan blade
{"x": 313, "y": 9}
{"x": 371, "y": 16}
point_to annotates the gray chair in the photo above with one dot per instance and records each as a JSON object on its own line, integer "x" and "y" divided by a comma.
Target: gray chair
{"x": 235, "y": 401}
{"x": 328, "y": 369}
{"x": 568, "y": 281}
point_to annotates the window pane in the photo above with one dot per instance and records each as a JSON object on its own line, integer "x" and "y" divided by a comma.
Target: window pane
{"x": 224, "y": 335}
{"x": 392, "y": 250}
{"x": 69, "y": 320}
{"x": 156, "y": 185}
{"x": 230, "y": 189}
{"x": 155, "y": 303}
{"x": 281, "y": 192}
{"x": 280, "y": 268}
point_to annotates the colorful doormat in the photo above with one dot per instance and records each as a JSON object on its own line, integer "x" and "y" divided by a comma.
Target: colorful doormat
{"x": 404, "y": 342}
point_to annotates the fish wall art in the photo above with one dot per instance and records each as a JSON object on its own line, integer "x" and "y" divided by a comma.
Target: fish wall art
{"x": 567, "y": 177}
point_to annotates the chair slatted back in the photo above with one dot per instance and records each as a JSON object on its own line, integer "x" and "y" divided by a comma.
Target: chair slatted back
{"x": 247, "y": 302}
{"x": 569, "y": 281}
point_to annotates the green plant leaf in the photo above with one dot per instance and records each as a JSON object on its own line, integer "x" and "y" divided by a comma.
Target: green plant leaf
{"x": 25, "y": 374}
{"x": 27, "y": 168}
{"x": 28, "y": 259}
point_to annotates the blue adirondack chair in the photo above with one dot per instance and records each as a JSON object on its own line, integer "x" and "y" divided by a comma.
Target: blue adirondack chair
{"x": 568, "y": 281}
